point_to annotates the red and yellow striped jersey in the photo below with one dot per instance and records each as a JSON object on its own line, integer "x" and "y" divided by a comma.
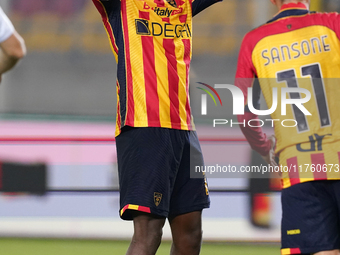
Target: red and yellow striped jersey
{"x": 296, "y": 49}
{"x": 151, "y": 40}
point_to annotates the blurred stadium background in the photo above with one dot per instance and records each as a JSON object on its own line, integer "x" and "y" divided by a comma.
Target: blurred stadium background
{"x": 64, "y": 91}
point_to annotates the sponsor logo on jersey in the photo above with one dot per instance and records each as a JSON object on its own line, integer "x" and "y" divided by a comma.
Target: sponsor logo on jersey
{"x": 163, "y": 12}
{"x": 144, "y": 27}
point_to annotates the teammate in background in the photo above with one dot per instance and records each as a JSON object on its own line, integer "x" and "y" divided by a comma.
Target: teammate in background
{"x": 12, "y": 46}
{"x": 296, "y": 49}
{"x": 155, "y": 137}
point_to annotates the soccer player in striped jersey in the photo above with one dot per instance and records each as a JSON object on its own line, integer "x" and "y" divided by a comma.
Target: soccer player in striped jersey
{"x": 12, "y": 46}
{"x": 155, "y": 137}
{"x": 299, "y": 49}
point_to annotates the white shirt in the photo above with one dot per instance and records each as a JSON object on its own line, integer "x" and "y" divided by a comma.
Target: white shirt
{"x": 6, "y": 26}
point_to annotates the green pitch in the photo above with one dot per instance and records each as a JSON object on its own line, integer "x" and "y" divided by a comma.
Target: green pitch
{"x": 9, "y": 246}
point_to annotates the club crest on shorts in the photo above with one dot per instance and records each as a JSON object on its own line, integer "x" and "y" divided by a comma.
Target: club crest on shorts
{"x": 157, "y": 197}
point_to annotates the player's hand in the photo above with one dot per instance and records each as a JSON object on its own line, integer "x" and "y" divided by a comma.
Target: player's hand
{"x": 270, "y": 157}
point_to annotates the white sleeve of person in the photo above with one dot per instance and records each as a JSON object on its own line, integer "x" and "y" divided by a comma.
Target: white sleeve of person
{"x": 6, "y": 26}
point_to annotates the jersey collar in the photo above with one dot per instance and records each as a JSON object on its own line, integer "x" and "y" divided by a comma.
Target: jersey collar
{"x": 291, "y": 9}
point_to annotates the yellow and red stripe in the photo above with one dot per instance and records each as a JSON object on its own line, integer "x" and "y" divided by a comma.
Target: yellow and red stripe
{"x": 187, "y": 59}
{"x": 150, "y": 77}
{"x": 294, "y": 176}
{"x": 173, "y": 81}
{"x": 136, "y": 208}
{"x": 288, "y": 251}
{"x": 318, "y": 159}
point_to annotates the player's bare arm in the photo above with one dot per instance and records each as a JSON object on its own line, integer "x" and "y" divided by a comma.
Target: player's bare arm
{"x": 11, "y": 51}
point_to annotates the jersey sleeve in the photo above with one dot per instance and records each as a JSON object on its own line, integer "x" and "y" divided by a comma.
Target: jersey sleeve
{"x": 200, "y": 5}
{"x": 245, "y": 78}
{"x": 6, "y": 26}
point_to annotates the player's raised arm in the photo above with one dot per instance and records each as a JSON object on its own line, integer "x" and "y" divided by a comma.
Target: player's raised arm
{"x": 12, "y": 46}
{"x": 200, "y": 5}
{"x": 12, "y": 50}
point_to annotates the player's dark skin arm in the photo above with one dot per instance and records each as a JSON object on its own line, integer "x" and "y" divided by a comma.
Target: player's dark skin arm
{"x": 11, "y": 51}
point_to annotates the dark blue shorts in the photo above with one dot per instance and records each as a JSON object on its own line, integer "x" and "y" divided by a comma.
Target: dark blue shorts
{"x": 311, "y": 217}
{"x": 154, "y": 172}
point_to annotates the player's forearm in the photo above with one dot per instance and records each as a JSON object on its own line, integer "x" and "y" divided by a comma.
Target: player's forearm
{"x": 257, "y": 139}
{"x": 7, "y": 62}
{"x": 11, "y": 51}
